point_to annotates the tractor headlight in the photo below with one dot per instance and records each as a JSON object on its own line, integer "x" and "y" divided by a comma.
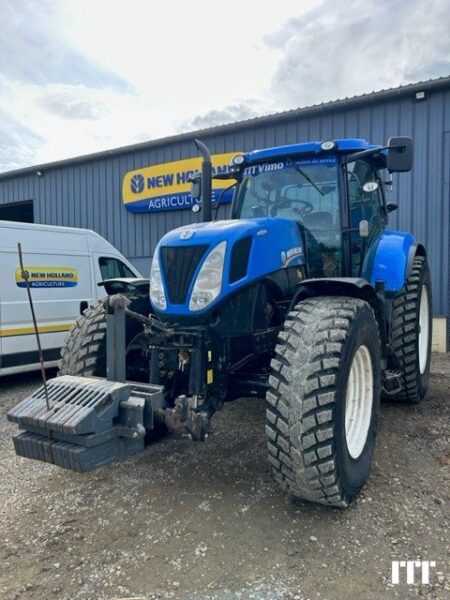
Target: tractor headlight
{"x": 157, "y": 294}
{"x": 209, "y": 280}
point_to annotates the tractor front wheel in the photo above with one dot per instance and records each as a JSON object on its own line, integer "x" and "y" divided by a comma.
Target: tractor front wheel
{"x": 85, "y": 350}
{"x": 323, "y": 402}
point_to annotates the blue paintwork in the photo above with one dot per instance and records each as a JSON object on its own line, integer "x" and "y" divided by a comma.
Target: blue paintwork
{"x": 272, "y": 240}
{"x": 391, "y": 259}
{"x": 308, "y": 148}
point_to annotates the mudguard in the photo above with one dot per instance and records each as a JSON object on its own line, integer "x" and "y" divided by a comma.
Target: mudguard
{"x": 126, "y": 285}
{"x": 392, "y": 258}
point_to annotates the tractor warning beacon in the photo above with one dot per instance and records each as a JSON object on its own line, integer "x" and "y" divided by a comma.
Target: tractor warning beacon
{"x": 303, "y": 297}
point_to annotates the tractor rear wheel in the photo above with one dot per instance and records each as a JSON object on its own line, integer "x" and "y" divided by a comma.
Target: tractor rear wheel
{"x": 411, "y": 330}
{"x": 323, "y": 402}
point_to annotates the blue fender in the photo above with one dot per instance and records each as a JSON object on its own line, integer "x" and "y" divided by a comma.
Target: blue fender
{"x": 392, "y": 259}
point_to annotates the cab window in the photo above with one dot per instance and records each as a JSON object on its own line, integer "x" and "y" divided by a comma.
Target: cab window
{"x": 305, "y": 191}
{"x": 365, "y": 201}
{"x": 112, "y": 268}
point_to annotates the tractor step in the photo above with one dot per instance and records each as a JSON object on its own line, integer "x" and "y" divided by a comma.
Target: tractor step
{"x": 90, "y": 422}
{"x": 392, "y": 382}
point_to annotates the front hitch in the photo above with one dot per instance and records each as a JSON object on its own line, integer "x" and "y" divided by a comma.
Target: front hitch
{"x": 186, "y": 418}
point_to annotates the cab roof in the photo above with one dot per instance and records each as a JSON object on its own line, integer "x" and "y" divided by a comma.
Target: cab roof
{"x": 343, "y": 146}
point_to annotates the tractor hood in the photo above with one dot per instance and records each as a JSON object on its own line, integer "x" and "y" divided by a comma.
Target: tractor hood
{"x": 250, "y": 248}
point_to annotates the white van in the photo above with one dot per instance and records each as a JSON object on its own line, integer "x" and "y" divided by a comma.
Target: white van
{"x": 64, "y": 267}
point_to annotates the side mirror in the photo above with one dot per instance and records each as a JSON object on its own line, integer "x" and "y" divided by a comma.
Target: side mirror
{"x": 399, "y": 154}
{"x": 196, "y": 185}
{"x": 391, "y": 207}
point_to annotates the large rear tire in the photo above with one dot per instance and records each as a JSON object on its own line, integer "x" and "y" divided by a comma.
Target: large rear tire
{"x": 323, "y": 402}
{"x": 411, "y": 331}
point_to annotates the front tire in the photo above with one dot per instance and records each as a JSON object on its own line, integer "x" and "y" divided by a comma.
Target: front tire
{"x": 411, "y": 332}
{"x": 85, "y": 350}
{"x": 323, "y": 402}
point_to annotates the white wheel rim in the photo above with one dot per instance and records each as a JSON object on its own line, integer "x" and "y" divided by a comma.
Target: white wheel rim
{"x": 424, "y": 329}
{"x": 359, "y": 401}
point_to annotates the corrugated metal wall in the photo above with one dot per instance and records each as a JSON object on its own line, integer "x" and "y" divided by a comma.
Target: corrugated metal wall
{"x": 89, "y": 194}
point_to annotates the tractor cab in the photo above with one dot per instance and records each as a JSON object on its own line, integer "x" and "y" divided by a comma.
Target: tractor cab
{"x": 332, "y": 190}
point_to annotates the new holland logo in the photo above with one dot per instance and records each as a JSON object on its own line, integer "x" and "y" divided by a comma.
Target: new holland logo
{"x": 137, "y": 183}
{"x": 47, "y": 277}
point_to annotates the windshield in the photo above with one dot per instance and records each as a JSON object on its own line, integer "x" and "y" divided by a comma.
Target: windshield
{"x": 305, "y": 191}
{"x": 289, "y": 189}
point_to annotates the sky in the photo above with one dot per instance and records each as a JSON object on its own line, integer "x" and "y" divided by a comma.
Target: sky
{"x": 81, "y": 76}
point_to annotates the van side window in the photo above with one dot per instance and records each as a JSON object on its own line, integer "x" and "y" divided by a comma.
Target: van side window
{"x": 111, "y": 268}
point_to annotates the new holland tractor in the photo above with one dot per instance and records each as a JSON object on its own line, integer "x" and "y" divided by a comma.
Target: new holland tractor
{"x": 303, "y": 297}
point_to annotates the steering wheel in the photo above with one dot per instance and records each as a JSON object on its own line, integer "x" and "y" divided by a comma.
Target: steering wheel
{"x": 307, "y": 208}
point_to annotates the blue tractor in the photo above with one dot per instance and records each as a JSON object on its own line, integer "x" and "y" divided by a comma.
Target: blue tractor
{"x": 303, "y": 297}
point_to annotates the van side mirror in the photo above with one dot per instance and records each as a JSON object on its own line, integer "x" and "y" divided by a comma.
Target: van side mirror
{"x": 399, "y": 154}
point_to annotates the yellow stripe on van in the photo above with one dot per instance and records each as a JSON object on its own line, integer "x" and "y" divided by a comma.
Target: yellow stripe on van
{"x": 30, "y": 330}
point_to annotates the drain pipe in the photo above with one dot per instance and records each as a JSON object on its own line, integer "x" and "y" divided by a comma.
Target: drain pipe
{"x": 206, "y": 180}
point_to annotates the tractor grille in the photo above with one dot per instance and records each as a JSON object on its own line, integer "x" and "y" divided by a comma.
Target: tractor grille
{"x": 179, "y": 265}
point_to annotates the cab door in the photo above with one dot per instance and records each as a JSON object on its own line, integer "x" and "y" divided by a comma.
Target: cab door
{"x": 366, "y": 205}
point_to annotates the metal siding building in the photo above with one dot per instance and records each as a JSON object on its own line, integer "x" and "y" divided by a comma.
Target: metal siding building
{"x": 86, "y": 191}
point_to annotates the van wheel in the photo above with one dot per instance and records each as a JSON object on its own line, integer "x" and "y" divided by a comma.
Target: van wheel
{"x": 85, "y": 350}
{"x": 323, "y": 401}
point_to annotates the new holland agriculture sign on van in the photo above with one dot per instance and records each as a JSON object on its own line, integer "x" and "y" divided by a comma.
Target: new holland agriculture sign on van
{"x": 47, "y": 277}
{"x": 167, "y": 186}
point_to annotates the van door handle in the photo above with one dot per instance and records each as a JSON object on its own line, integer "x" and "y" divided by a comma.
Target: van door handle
{"x": 83, "y": 306}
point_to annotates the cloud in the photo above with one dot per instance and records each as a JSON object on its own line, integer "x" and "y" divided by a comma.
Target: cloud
{"x": 64, "y": 77}
{"x": 342, "y": 49}
{"x": 64, "y": 120}
{"x": 243, "y": 109}
{"x": 33, "y": 48}
{"x": 72, "y": 102}
{"x": 18, "y": 143}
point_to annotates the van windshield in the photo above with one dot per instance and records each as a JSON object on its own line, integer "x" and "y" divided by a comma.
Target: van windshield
{"x": 306, "y": 191}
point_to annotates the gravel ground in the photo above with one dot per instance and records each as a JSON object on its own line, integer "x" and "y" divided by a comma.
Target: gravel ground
{"x": 207, "y": 521}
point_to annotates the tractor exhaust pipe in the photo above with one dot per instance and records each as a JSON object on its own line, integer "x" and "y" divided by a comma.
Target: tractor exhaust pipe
{"x": 206, "y": 181}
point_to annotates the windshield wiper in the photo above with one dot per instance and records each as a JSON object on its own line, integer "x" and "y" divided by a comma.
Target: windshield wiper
{"x": 307, "y": 177}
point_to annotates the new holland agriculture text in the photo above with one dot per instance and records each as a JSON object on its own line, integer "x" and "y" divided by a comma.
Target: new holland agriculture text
{"x": 167, "y": 186}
